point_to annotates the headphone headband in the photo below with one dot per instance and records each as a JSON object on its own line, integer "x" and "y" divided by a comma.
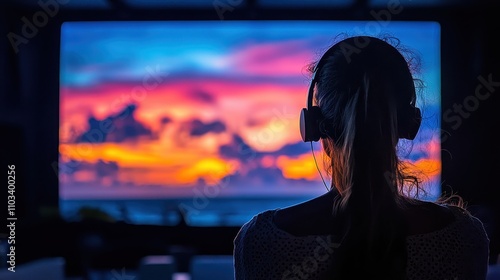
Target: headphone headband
{"x": 312, "y": 121}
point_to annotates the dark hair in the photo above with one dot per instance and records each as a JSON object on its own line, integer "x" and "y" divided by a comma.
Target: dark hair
{"x": 364, "y": 89}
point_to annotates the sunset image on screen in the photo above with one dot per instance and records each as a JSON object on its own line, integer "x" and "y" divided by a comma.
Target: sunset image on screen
{"x": 161, "y": 109}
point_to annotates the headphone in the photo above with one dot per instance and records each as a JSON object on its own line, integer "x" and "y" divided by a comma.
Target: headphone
{"x": 313, "y": 124}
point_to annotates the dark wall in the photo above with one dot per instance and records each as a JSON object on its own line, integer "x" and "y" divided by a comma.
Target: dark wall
{"x": 471, "y": 87}
{"x": 29, "y": 104}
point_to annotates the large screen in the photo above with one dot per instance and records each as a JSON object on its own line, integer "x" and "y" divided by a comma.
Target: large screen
{"x": 198, "y": 121}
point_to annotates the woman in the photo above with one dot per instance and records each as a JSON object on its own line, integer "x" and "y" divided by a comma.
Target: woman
{"x": 366, "y": 226}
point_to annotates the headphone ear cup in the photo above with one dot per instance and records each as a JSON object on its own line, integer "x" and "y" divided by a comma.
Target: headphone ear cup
{"x": 310, "y": 120}
{"x": 303, "y": 125}
{"x": 417, "y": 121}
{"x": 409, "y": 129}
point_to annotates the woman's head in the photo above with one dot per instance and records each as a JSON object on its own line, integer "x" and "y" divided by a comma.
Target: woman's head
{"x": 366, "y": 93}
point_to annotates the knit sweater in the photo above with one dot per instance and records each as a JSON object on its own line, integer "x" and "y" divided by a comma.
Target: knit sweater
{"x": 263, "y": 251}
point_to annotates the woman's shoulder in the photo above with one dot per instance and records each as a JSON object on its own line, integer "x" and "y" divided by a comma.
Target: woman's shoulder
{"x": 260, "y": 219}
{"x": 259, "y": 224}
{"x": 451, "y": 219}
{"x": 460, "y": 249}
{"x": 462, "y": 216}
{"x": 467, "y": 221}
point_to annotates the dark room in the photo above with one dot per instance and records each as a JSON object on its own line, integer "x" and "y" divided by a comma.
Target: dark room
{"x": 249, "y": 139}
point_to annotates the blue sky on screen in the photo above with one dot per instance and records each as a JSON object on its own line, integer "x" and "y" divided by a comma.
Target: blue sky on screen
{"x": 126, "y": 48}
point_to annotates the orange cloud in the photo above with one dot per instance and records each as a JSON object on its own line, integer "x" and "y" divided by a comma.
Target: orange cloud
{"x": 211, "y": 170}
{"x": 302, "y": 167}
{"x": 429, "y": 167}
{"x": 149, "y": 163}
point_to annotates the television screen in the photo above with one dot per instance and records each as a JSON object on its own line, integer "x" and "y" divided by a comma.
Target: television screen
{"x": 198, "y": 121}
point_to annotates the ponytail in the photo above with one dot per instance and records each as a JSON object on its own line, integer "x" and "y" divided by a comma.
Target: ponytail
{"x": 363, "y": 165}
